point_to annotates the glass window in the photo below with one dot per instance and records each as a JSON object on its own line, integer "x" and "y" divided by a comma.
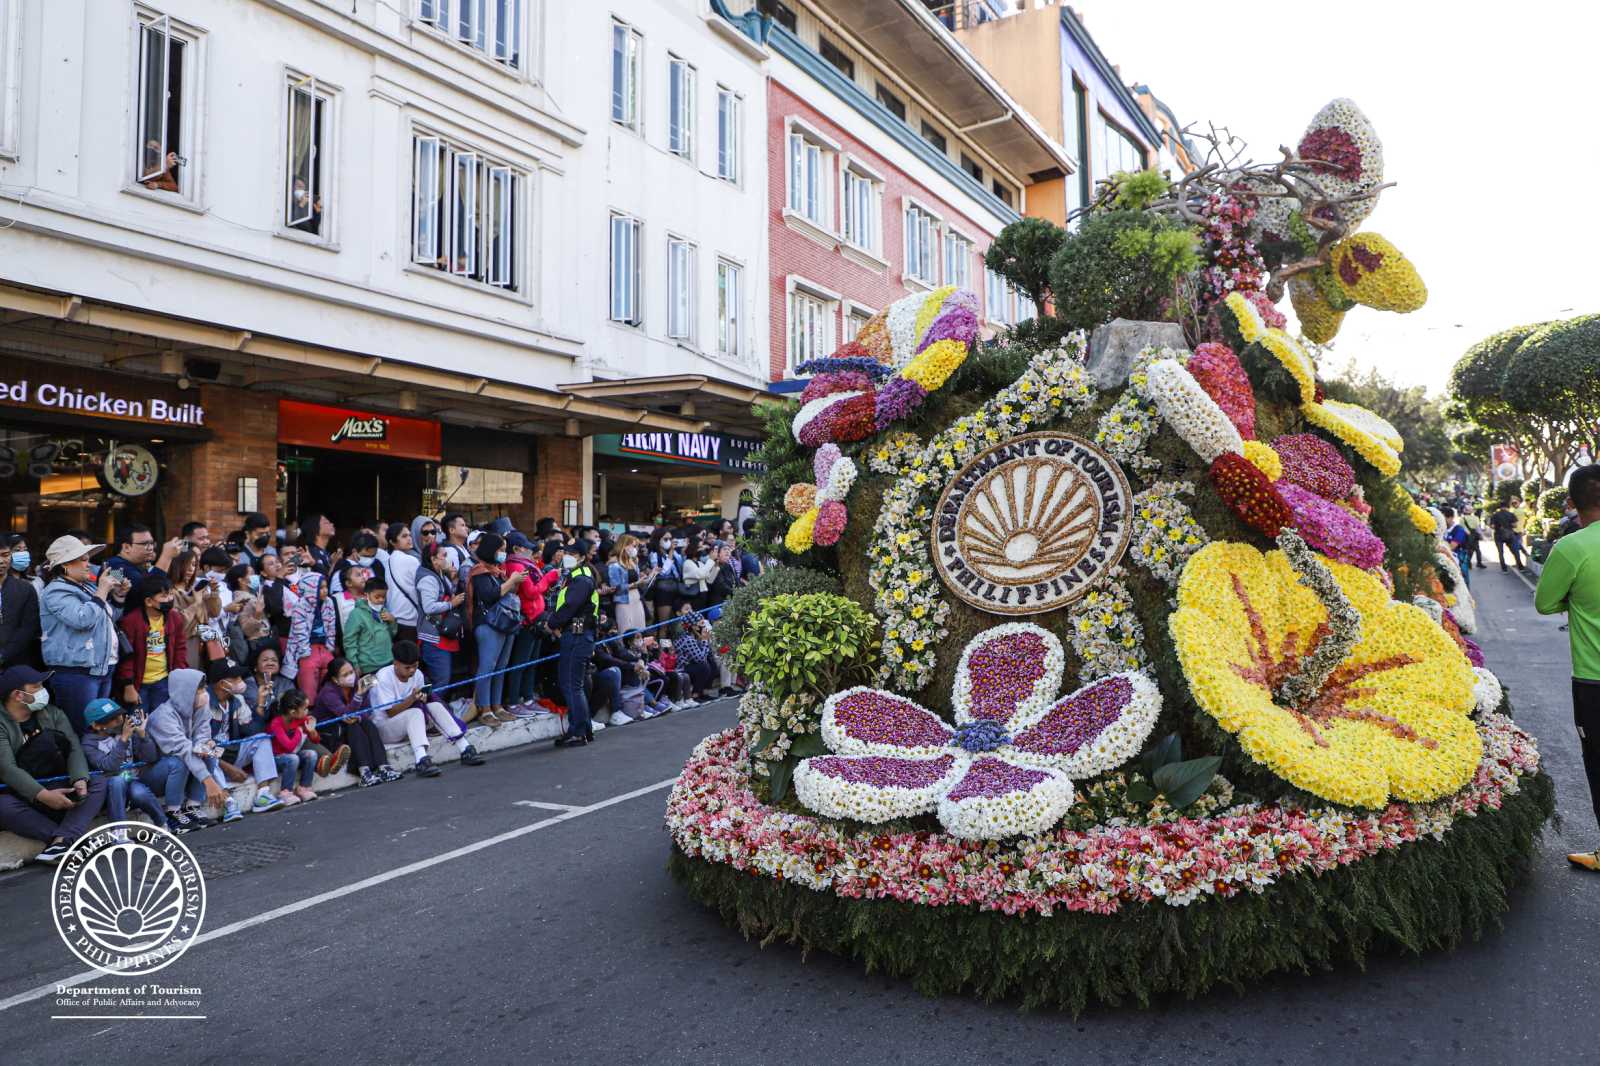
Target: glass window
{"x": 1118, "y": 152}
{"x": 680, "y": 108}
{"x": 466, "y": 213}
{"x": 921, "y": 228}
{"x": 625, "y": 280}
{"x": 997, "y": 297}
{"x": 159, "y": 161}
{"x": 973, "y": 167}
{"x": 896, "y": 106}
{"x": 780, "y": 13}
{"x": 854, "y": 321}
{"x": 730, "y": 277}
{"x": 957, "y": 260}
{"x": 861, "y": 197}
{"x": 1004, "y": 192}
{"x": 808, "y": 179}
{"x": 626, "y": 45}
{"x": 1025, "y": 309}
{"x": 680, "y": 289}
{"x": 933, "y": 136}
{"x": 835, "y": 55}
{"x": 493, "y": 27}
{"x": 730, "y": 116}
{"x": 810, "y": 327}
{"x": 305, "y": 189}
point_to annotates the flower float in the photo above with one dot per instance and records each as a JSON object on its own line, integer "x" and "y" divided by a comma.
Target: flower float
{"x": 818, "y": 510}
{"x": 1220, "y": 374}
{"x": 1191, "y": 412}
{"x": 1368, "y": 434}
{"x": 1388, "y": 719}
{"x": 1314, "y": 465}
{"x": 1331, "y": 529}
{"x": 1005, "y": 768}
{"x": 1249, "y": 494}
{"x": 898, "y": 357}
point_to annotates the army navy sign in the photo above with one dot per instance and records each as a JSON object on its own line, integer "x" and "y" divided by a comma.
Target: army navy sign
{"x": 1032, "y": 524}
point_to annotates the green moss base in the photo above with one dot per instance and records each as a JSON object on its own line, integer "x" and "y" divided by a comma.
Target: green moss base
{"x": 1423, "y": 896}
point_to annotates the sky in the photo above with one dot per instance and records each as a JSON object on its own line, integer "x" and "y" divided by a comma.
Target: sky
{"x": 1486, "y": 115}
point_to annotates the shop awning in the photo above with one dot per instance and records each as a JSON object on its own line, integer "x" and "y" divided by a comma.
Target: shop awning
{"x": 56, "y": 325}
{"x": 722, "y": 405}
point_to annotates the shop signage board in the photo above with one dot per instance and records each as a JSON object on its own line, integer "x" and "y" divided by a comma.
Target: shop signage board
{"x": 343, "y": 429}
{"x": 84, "y": 391}
{"x": 714, "y": 451}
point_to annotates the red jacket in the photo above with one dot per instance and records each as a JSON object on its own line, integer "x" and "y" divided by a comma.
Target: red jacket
{"x": 532, "y": 591}
{"x": 136, "y": 624}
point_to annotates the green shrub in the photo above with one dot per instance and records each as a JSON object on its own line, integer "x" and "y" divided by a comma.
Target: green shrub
{"x": 1121, "y": 264}
{"x": 1021, "y": 253}
{"x": 1553, "y": 502}
{"x": 811, "y": 645}
{"x": 773, "y": 581}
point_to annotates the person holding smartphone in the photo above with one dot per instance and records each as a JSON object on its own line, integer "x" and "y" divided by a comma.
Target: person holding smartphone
{"x": 49, "y": 794}
{"x": 80, "y": 635}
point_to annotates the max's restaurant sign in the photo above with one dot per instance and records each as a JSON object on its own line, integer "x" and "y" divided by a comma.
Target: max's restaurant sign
{"x": 70, "y": 390}
{"x": 342, "y": 429}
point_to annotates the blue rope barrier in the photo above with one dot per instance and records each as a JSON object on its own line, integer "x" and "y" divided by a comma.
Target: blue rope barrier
{"x": 709, "y": 614}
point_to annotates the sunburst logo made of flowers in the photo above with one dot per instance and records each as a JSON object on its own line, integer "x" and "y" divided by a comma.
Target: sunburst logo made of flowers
{"x": 1007, "y": 765}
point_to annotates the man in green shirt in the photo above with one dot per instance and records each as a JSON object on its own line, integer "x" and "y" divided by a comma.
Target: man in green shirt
{"x": 1570, "y": 582}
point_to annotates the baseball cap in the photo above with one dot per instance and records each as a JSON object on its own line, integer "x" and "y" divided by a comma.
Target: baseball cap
{"x": 66, "y": 549}
{"x": 219, "y": 669}
{"x": 516, "y": 539}
{"x": 17, "y": 677}
{"x": 97, "y": 711}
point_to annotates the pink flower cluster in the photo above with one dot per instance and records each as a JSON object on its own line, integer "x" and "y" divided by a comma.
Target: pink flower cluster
{"x": 1331, "y": 529}
{"x": 1221, "y": 375}
{"x": 712, "y": 814}
{"x": 1314, "y": 465}
{"x": 1235, "y": 264}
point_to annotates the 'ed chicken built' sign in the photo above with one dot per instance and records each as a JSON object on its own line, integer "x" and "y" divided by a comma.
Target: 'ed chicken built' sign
{"x": 94, "y": 394}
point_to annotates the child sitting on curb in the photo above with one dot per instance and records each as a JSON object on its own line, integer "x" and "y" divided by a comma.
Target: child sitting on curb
{"x": 292, "y": 731}
{"x": 114, "y": 739}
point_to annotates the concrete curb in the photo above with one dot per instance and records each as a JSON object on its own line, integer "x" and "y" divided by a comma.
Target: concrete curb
{"x": 16, "y": 850}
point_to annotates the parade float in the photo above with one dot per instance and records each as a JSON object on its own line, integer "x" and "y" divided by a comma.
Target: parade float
{"x": 1144, "y": 673}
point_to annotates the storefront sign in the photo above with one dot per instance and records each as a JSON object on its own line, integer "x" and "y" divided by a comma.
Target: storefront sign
{"x": 342, "y": 429}
{"x": 1030, "y": 525}
{"x": 59, "y": 389}
{"x": 716, "y": 451}
{"x": 130, "y": 469}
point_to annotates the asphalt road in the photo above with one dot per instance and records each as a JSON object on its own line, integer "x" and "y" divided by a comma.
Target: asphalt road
{"x": 561, "y": 939}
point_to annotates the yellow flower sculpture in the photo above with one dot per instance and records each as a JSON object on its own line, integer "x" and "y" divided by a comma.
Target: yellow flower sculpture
{"x": 1370, "y": 270}
{"x": 1319, "y": 319}
{"x": 1389, "y": 721}
{"x": 1265, "y": 459}
{"x": 1369, "y": 433}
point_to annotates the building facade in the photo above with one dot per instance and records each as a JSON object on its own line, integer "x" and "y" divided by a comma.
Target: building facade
{"x": 339, "y": 238}
{"x": 893, "y": 159}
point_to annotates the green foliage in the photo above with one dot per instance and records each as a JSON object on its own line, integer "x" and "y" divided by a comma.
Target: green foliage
{"x": 1531, "y": 489}
{"x": 1021, "y": 253}
{"x": 1137, "y": 190}
{"x": 1419, "y": 419}
{"x": 1481, "y": 384}
{"x": 1121, "y": 264}
{"x": 1424, "y": 896}
{"x": 811, "y": 645}
{"x": 1553, "y": 502}
{"x": 1409, "y": 558}
{"x": 1555, "y": 375}
{"x": 773, "y": 581}
{"x": 1169, "y": 775}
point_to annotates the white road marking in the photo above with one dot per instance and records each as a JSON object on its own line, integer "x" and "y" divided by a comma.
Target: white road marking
{"x": 545, "y": 806}
{"x": 347, "y": 890}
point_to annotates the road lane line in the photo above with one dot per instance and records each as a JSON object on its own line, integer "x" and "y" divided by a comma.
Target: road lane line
{"x": 545, "y": 806}
{"x": 356, "y": 886}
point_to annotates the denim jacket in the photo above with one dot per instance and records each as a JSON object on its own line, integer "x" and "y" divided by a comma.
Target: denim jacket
{"x": 78, "y": 630}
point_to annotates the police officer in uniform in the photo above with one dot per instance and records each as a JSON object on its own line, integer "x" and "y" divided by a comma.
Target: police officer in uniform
{"x": 576, "y": 618}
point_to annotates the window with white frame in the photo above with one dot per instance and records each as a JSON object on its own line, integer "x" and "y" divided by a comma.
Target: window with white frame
{"x": 306, "y": 189}
{"x": 857, "y": 318}
{"x": 626, "y": 280}
{"x": 1025, "y": 309}
{"x": 466, "y": 212}
{"x": 10, "y": 75}
{"x": 627, "y": 47}
{"x": 863, "y": 211}
{"x": 997, "y": 297}
{"x": 810, "y": 178}
{"x": 166, "y": 89}
{"x": 493, "y": 27}
{"x": 680, "y": 108}
{"x": 730, "y": 285}
{"x": 730, "y": 118}
{"x": 681, "y": 260}
{"x": 922, "y": 248}
{"x": 811, "y": 318}
{"x": 957, "y": 260}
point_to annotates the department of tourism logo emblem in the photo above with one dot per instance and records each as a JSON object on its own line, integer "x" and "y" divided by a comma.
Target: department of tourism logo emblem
{"x": 128, "y": 902}
{"x": 1030, "y": 525}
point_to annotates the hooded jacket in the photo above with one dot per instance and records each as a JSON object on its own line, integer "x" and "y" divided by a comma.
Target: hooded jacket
{"x": 402, "y": 579}
{"x": 176, "y": 727}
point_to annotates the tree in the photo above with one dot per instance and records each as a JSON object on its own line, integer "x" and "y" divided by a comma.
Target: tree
{"x": 1555, "y": 375}
{"x": 1021, "y": 253}
{"x": 1478, "y": 384}
{"x": 1430, "y": 452}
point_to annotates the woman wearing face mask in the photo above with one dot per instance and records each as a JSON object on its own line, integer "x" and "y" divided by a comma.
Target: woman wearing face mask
{"x": 486, "y": 584}
{"x": 667, "y": 562}
{"x": 441, "y": 624}
{"x": 247, "y": 626}
{"x": 698, "y": 573}
{"x": 342, "y": 695}
{"x": 363, "y": 553}
{"x": 79, "y": 636}
{"x": 19, "y": 608}
{"x": 156, "y": 644}
{"x": 624, "y": 576}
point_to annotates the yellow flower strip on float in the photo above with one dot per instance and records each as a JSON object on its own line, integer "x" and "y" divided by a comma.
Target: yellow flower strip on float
{"x": 1265, "y": 459}
{"x": 1368, "y": 434}
{"x": 1252, "y": 327}
{"x": 933, "y": 366}
{"x": 1422, "y": 519}
{"x": 713, "y": 814}
{"x": 907, "y": 595}
{"x": 799, "y": 538}
{"x": 1295, "y": 359}
{"x": 1391, "y": 719}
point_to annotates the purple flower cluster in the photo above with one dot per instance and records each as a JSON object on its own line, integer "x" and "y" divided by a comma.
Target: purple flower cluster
{"x": 985, "y": 734}
{"x": 1077, "y": 720}
{"x": 844, "y": 364}
{"x": 896, "y": 399}
{"x": 989, "y": 777}
{"x": 882, "y": 771}
{"x": 876, "y": 717}
{"x": 1331, "y": 529}
{"x": 1314, "y": 464}
{"x": 1474, "y": 653}
{"x": 1003, "y": 674}
{"x": 957, "y": 322}
{"x": 828, "y": 384}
